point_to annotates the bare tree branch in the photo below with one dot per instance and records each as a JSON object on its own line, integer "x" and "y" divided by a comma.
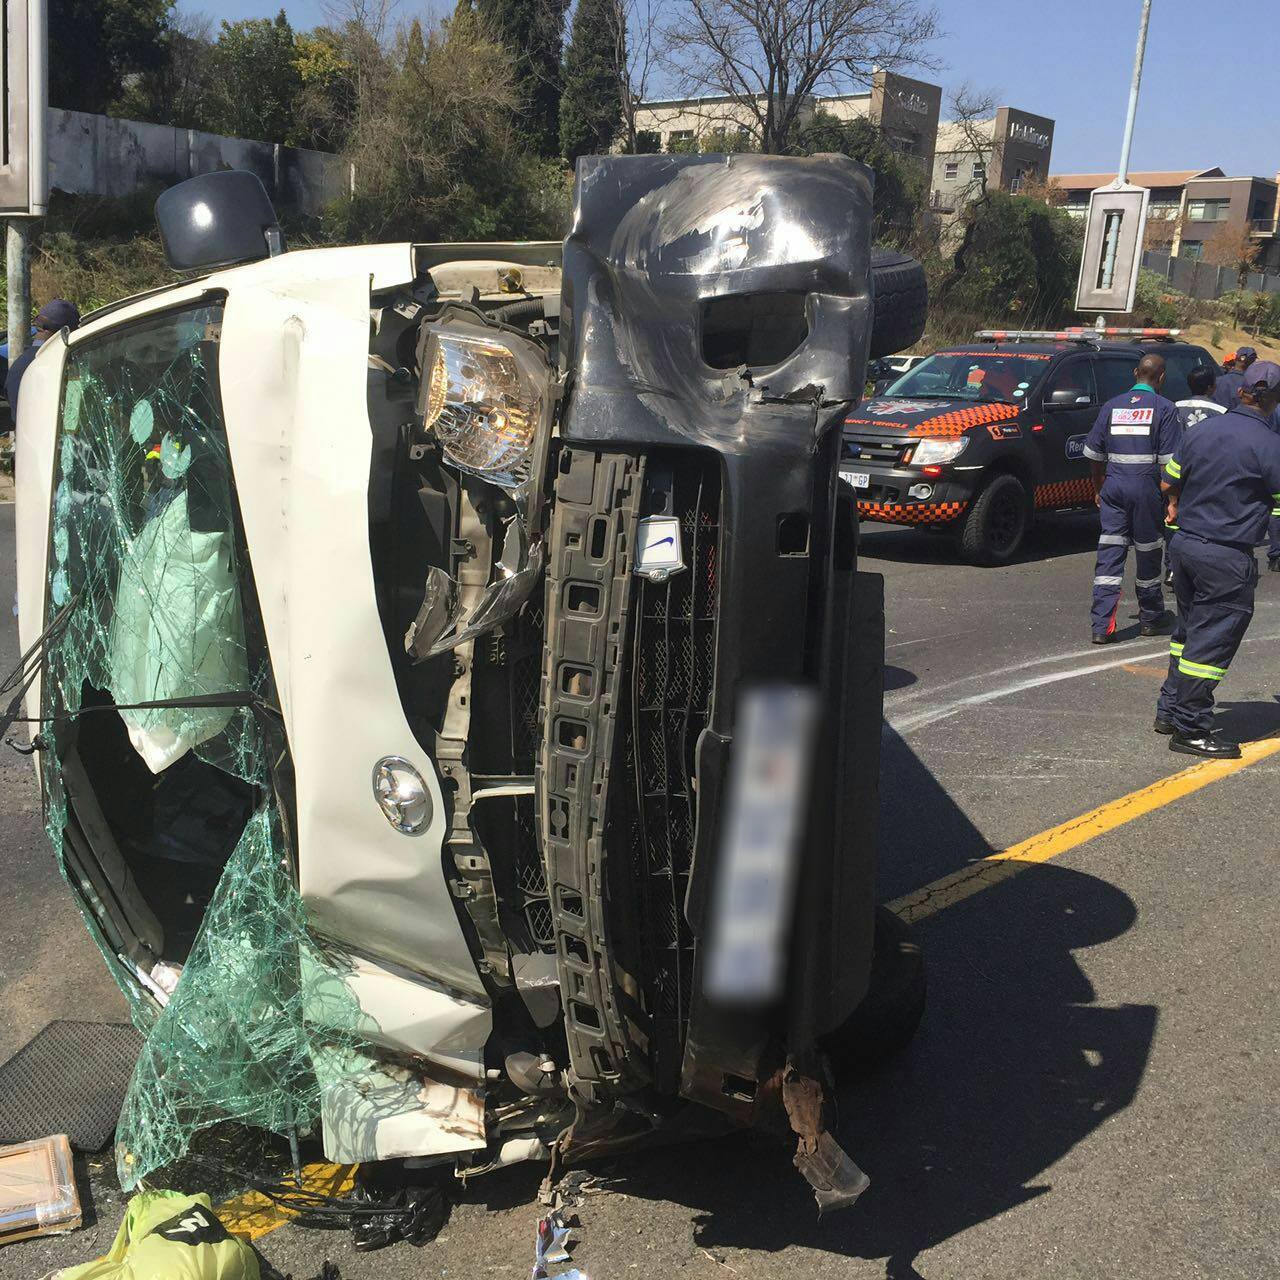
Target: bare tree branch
{"x": 769, "y": 57}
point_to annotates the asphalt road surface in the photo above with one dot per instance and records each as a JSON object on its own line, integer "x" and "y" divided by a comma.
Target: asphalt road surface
{"x": 1093, "y": 1092}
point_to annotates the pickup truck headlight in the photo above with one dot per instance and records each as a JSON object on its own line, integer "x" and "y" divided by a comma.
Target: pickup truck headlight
{"x": 482, "y": 404}
{"x": 934, "y": 452}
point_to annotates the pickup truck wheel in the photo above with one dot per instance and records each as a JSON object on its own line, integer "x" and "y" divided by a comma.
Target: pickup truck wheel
{"x": 882, "y": 1026}
{"x": 901, "y": 302}
{"x": 996, "y": 522}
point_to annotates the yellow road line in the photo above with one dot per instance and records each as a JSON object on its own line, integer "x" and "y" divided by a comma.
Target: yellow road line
{"x": 254, "y": 1215}
{"x": 998, "y": 867}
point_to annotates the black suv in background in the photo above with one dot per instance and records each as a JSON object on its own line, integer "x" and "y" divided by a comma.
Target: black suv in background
{"x": 980, "y": 437}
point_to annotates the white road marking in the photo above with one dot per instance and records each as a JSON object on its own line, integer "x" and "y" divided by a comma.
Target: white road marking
{"x": 931, "y": 715}
{"x": 951, "y": 635}
{"x": 944, "y": 710}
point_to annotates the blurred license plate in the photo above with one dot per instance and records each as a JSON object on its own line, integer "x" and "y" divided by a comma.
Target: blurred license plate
{"x": 769, "y": 787}
{"x": 859, "y": 479}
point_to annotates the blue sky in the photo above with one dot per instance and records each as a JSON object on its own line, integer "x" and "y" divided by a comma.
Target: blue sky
{"x": 1210, "y": 88}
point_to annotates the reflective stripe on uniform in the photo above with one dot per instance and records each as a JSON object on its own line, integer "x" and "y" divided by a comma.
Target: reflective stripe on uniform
{"x": 1148, "y": 546}
{"x": 1173, "y": 468}
{"x": 1138, "y": 458}
{"x": 1275, "y": 511}
{"x": 1094, "y": 454}
{"x": 1174, "y": 527}
{"x": 1107, "y": 582}
{"x": 1200, "y": 670}
{"x": 1113, "y": 540}
{"x": 1175, "y": 649}
{"x": 1147, "y": 582}
{"x": 1165, "y": 459}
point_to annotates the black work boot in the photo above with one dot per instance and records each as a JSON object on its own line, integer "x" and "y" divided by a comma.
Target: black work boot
{"x": 1163, "y": 726}
{"x": 1208, "y": 745}
{"x": 1156, "y": 627}
{"x": 1273, "y": 566}
{"x": 1103, "y": 637}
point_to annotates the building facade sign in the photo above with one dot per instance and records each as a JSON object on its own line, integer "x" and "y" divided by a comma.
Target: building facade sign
{"x": 1024, "y": 132}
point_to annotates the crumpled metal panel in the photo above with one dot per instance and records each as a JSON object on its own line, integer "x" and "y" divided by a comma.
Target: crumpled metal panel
{"x": 655, "y": 236}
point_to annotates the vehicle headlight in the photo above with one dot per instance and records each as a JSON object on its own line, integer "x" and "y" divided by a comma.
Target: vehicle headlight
{"x": 483, "y": 402}
{"x": 933, "y": 452}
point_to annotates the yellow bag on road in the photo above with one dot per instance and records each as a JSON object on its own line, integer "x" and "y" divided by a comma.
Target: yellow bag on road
{"x": 166, "y": 1235}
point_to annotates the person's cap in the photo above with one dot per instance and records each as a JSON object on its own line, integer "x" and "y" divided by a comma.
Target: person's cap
{"x": 1246, "y": 353}
{"x": 1229, "y": 358}
{"x": 1263, "y": 373}
{"x": 58, "y": 314}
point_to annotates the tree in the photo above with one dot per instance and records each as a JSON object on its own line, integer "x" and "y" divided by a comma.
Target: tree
{"x": 178, "y": 91}
{"x": 258, "y": 82}
{"x": 1021, "y": 256}
{"x": 533, "y": 32}
{"x": 770, "y": 56}
{"x": 1235, "y": 248}
{"x": 901, "y": 186}
{"x": 96, "y": 45}
{"x": 436, "y": 153}
{"x": 591, "y": 105}
{"x": 325, "y": 107}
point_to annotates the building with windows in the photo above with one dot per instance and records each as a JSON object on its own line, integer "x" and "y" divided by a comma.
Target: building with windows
{"x": 1196, "y": 205}
{"x": 905, "y": 110}
{"x": 1009, "y": 152}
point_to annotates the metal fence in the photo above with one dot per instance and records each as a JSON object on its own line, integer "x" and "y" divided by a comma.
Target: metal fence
{"x": 1201, "y": 279}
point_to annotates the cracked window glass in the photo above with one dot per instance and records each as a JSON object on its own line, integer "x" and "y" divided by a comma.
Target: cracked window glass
{"x": 159, "y": 736}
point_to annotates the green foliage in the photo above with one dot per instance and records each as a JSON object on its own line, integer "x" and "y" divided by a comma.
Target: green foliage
{"x": 437, "y": 156}
{"x": 726, "y": 142}
{"x": 96, "y": 45}
{"x": 591, "y": 105}
{"x": 1154, "y": 304}
{"x": 326, "y": 100}
{"x": 533, "y": 34}
{"x": 1017, "y": 257}
{"x": 682, "y": 146}
{"x": 901, "y": 187}
{"x": 648, "y": 142}
{"x": 257, "y": 81}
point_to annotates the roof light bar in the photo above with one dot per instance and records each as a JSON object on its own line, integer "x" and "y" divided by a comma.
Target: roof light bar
{"x": 1077, "y": 333}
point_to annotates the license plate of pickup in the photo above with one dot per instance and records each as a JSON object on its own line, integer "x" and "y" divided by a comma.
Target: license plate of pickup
{"x": 858, "y": 479}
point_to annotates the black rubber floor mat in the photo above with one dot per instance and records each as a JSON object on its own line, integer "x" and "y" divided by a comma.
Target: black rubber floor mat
{"x": 71, "y": 1078}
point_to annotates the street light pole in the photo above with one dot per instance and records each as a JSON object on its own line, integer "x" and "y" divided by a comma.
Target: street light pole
{"x": 1127, "y": 145}
{"x": 18, "y": 266}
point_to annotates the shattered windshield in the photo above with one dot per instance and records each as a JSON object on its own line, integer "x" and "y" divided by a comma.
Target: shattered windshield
{"x": 160, "y": 741}
{"x": 968, "y": 375}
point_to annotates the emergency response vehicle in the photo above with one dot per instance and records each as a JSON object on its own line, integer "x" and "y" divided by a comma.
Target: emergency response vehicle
{"x": 981, "y": 437}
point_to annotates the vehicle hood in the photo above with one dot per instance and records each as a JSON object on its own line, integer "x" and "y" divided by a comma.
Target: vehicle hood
{"x": 928, "y": 417}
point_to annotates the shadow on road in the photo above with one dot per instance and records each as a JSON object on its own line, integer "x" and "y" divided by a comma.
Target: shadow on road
{"x": 923, "y": 832}
{"x": 1248, "y": 721}
{"x": 1015, "y": 1064}
{"x": 1051, "y": 536}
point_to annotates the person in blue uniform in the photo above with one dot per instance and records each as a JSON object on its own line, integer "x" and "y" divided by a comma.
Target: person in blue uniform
{"x": 55, "y": 315}
{"x": 1227, "y": 388}
{"x": 1134, "y": 435}
{"x": 1222, "y": 484}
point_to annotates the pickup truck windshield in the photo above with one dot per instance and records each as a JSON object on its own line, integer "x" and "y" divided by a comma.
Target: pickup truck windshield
{"x": 973, "y": 375}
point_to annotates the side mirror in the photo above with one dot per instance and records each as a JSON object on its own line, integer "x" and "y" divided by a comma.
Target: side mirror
{"x": 1066, "y": 398}
{"x": 217, "y": 220}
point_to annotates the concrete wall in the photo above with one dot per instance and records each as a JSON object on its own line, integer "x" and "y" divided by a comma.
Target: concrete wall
{"x": 100, "y": 155}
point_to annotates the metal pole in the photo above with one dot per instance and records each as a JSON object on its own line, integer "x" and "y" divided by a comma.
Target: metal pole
{"x": 18, "y": 263}
{"x": 1127, "y": 145}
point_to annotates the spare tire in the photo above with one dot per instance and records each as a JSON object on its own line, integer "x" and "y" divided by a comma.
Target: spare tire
{"x": 901, "y": 301}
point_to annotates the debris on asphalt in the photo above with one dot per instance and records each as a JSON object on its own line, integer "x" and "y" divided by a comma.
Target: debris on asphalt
{"x": 38, "y": 1195}
{"x": 410, "y": 1212}
{"x": 169, "y": 1234}
{"x": 549, "y": 1248}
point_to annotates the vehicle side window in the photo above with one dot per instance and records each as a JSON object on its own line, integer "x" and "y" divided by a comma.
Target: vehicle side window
{"x": 1114, "y": 375}
{"x": 1178, "y": 364}
{"x": 1075, "y": 376}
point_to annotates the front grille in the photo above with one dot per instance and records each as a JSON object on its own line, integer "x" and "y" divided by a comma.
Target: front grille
{"x": 860, "y": 448}
{"x": 671, "y": 680}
